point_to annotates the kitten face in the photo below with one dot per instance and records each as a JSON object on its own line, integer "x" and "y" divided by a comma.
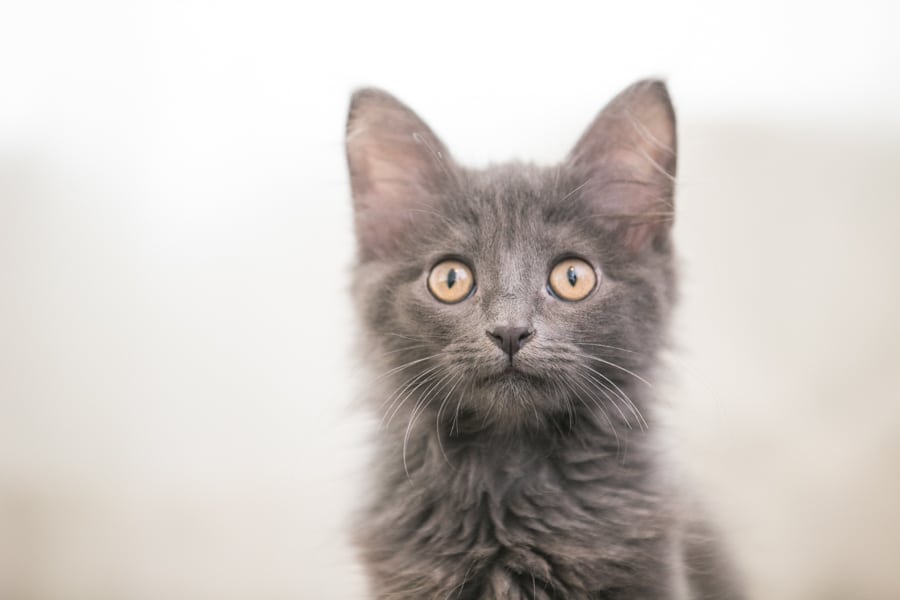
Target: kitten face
{"x": 512, "y": 352}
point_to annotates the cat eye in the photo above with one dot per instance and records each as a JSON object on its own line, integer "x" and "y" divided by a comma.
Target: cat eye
{"x": 572, "y": 279}
{"x": 450, "y": 281}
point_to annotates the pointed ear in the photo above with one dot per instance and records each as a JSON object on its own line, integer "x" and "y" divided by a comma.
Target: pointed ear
{"x": 627, "y": 160}
{"x": 397, "y": 168}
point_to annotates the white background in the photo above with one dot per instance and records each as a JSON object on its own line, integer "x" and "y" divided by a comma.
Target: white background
{"x": 175, "y": 237}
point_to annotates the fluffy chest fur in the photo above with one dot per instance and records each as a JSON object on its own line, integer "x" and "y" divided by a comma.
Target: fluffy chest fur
{"x": 543, "y": 518}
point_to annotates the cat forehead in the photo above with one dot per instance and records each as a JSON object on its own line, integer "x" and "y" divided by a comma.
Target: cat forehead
{"x": 518, "y": 195}
{"x": 519, "y": 199}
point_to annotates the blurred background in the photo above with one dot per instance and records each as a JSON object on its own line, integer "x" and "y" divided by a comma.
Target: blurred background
{"x": 175, "y": 238}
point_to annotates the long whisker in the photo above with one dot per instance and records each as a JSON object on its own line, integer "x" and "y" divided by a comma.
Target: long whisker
{"x": 463, "y": 584}
{"x": 403, "y": 349}
{"x": 575, "y": 190}
{"x": 606, "y": 394}
{"x": 437, "y": 419}
{"x": 414, "y": 338}
{"x": 424, "y": 378}
{"x": 419, "y": 406}
{"x": 562, "y": 393}
{"x": 466, "y": 390}
{"x": 620, "y": 393}
{"x": 621, "y": 368}
{"x": 595, "y": 344}
{"x": 404, "y": 385}
{"x": 402, "y": 367}
{"x": 599, "y": 406}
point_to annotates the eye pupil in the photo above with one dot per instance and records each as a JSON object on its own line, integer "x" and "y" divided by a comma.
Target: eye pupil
{"x": 572, "y": 279}
{"x": 450, "y": 281}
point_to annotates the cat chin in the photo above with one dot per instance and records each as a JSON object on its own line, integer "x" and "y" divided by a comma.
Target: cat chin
{"x": 513, "y": 377}
{"x": 513, "y": 401}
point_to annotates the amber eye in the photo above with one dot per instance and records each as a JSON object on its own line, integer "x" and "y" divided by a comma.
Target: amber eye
{"x": 450, "y": 281}
{"x": 572, "y": 279}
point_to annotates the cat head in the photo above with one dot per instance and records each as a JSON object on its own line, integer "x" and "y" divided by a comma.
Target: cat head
{"x": 515, "y": 294}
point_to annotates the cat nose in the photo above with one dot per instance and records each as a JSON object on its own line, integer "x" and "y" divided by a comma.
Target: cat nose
{"x": 510, "y": 339}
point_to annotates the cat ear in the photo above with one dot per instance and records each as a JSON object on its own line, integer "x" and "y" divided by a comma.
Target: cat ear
{"x": 627, "y": 160}
{"x": 397, "y": 168}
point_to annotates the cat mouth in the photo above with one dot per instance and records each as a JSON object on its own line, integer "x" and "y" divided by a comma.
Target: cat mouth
{"x": 510, "y": 373}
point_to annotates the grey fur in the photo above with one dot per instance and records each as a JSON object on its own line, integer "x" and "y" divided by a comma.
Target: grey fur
{"x": 545, "y": 482}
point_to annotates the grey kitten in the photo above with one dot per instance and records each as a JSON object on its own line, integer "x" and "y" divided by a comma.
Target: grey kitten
{"x": 515, "y": 315}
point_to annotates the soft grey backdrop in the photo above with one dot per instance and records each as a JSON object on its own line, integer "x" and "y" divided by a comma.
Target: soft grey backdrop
{"x": 175, "y": 334}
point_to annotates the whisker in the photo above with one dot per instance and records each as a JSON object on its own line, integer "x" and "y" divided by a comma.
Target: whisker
{"x": 537, "y": 417}
{"x": 424, "y": 378}
{"x": 402, "y": 367}
{"x": 605, "y": 391}
{"x": 621, "y": 394}
{"x": 603, "y": 412}
{"x": 402, "y": 349}
{"x": 621, "y": 368}
{"x": 414, "y": 338}
{"x": 564, "y": 394}
{"x": 419, "y": 406}
{"x": 575, "y": 190}
{"x": 407, "y": 382}
{"x": 598, "y": 345}
{"x": 463, "y": 584}
{"x": 466, "y": 390}
{"x": 437, "y": 419}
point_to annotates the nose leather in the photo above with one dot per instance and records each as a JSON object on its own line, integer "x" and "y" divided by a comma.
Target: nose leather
{"x": 510, "y": 339}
